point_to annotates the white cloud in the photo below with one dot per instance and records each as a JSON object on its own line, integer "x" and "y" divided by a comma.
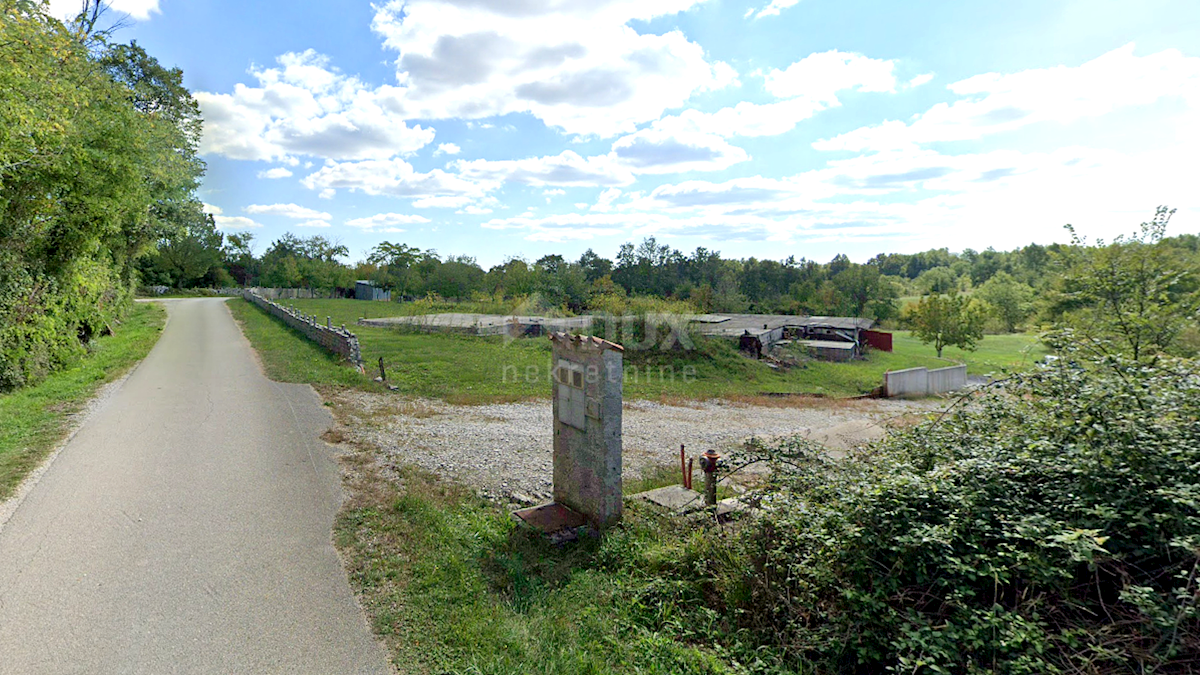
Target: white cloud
{"x": 396, "y": 178}
{"x": 919, "y": 80}
{"x": 772, "y": 9}
{"x": 307, "y": 107}
{"x": 574, "y": 64}
{"x": 605, "y": 200}
{"x": 137, "y": 9}
{"x": 807, "y": 86}
{"x": 234, "y": 222}
{"x": 447, "y": 149}
{"x": 314, "y": 223}
{"x": 288, "y": 211}
{"x": 387, "y": 220}
{"x": 566, "y": 169}
{"x": 994, "y": 103}
{"x": 555, "y": 191}
{"x": 277, "y": 172}
{"x": 563, "y": 227}
{"x": 214, "y": 210}
{"x": 475, "y": 210}
{"x": 657, "y": 151}
{"x": 819, "y": 77}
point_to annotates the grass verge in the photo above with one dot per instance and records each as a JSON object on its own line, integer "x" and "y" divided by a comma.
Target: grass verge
{"x": 452, "y": 585}
{"x": 33, "y": 420}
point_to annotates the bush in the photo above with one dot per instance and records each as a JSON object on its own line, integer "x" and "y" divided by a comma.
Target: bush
{"x": 1050, "y": 526}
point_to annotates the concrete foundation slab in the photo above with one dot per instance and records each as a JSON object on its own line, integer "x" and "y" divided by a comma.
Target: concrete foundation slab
{"x": 673, "y": 498}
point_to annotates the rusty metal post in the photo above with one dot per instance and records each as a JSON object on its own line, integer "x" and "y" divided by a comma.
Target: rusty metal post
{"x": 708, "y": 462}
{"x": 683, "y": 468}
{"x": 382, "y": 372}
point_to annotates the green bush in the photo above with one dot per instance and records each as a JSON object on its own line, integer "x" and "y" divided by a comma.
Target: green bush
{"x": 1050, "y": 525}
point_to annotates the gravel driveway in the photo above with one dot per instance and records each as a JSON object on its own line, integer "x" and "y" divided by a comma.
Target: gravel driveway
{"x": 504, "y": 449}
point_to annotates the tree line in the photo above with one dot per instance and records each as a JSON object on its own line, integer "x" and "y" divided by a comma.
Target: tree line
{"x": 950, "y": 297}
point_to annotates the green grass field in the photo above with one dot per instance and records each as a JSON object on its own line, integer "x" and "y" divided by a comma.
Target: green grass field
{"x": 468, "y": 369}
{"x": 35, "y": 419}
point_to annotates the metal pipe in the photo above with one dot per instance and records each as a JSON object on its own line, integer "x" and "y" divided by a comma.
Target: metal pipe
{"x": 708, "y": 462}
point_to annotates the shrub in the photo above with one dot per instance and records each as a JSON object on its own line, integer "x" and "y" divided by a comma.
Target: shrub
{"x": 1049, "y": 526}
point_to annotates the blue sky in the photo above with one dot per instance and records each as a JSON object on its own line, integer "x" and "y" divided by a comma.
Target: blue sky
{"x": 766, "y": 128}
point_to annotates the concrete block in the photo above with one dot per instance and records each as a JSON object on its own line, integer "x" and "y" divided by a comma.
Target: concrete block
{"x": 587, "y": 395}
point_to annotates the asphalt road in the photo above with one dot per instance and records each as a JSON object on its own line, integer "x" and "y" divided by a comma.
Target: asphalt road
{"x": 186, "y": 527}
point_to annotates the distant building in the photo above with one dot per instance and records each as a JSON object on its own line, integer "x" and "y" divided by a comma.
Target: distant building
{"x": 367, "y": 290}
{"x": 829, "y": 338}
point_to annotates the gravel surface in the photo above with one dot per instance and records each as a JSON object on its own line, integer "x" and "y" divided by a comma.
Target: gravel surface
{"x": 504, "y": 450}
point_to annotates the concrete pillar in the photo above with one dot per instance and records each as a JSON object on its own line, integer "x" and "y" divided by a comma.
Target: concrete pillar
{"x": 587, "y": 381}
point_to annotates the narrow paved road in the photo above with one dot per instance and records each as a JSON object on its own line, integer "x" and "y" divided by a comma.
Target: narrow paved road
{"x": 186, "y": 527}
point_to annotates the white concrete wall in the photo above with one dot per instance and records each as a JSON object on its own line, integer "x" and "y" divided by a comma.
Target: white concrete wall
{"x": 943, "y": 380}
{"x": 914, "y": 382}
{"x": 911, "y": 382}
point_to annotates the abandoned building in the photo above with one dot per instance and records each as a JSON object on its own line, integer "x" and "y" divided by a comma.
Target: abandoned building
{"x": 367, "y": 290}
{"x": 829, "y": 338}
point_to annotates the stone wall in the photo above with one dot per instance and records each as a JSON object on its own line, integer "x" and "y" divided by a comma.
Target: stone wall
{"x": 334, "y": 338}
{"x": 943, "y": 380}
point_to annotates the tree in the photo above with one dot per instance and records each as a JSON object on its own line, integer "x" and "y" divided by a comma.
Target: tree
{"x": 1009, "y": 299}
{"x": 1134, "y": 294}
{"x": 947, "y": 320}
{"x": 187, "y": 257}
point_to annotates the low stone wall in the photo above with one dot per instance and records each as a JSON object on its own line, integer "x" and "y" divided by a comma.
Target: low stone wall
{"x": 336, "y": 339}
{"x": 915, "y": 382}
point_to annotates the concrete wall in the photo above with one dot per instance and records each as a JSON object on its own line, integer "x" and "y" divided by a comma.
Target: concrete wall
{"x": 336, "y": 339}
{"x": 911, "y": 382}
{"x": 915, "y": 382}
{"x": 943, "y": 380}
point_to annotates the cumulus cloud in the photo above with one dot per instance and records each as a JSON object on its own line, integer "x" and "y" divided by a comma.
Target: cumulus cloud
{"x": 447, "y": 149}
{"x": 820, "y": 77}
{"x": 277, "y": 172}
{"x": 305, "y": 106}
{"x": 994, "y": 103}
{"x": 314, "y": 223}
{"x": 771, "y": 9}
{"x": 565, "y": 169}
{"x": 597, "y": 75}
{"x": 396, "y": 178}
{"x": 807, "y": 87}
{"x": 294, "y": 211}
{"x": 234, "y": 222}
{"x": 387, "y": 220}
{"x": 657, "y": 151}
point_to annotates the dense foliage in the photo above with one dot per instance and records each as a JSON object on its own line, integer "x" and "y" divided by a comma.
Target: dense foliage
{"x": 97, "y": 161}
{"x": 1050, "y": 526}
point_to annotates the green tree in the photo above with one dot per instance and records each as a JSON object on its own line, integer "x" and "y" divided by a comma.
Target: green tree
{"x": 1008, "y": 298}
{"x": 187, "y": 257}
{"x": 947, "y": 320}
{"x": 1134, "y": 294}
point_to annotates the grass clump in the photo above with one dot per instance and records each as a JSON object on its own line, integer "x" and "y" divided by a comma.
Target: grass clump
{"x": 33, "y": 420}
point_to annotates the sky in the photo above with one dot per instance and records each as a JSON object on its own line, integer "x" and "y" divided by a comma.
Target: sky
{"x": 764, "y": 128}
